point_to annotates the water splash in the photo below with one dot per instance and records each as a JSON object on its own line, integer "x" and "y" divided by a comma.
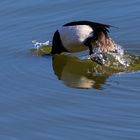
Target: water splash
{"x": 121, "y": 56}
{"x": 39, "y": 45}
{"x": 41, "y": 48}
{"x": 118, "y": 59}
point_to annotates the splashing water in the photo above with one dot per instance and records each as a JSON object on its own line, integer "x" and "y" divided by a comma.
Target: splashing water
{"x": 120, "y": 56}
{"x": 41, "y": 48}
{"x": 116, "y": 59}
{"x": 39, "y": 45}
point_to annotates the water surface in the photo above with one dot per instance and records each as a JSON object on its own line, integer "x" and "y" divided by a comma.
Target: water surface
{"x": 35, "y": 104}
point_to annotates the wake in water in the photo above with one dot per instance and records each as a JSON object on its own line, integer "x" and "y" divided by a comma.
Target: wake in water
{"x": 116, "y": 59}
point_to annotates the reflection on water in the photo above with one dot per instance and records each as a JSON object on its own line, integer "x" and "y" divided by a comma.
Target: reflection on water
{"x": 80, "y": 73}
{"x": 84, "y": 73}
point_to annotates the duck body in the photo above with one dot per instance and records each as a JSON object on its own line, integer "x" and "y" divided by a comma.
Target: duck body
{"x": 73, "y": 37}
{"x": 79, "y": 36}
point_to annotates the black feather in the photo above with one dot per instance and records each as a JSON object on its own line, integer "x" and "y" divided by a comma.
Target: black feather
{"x": 97, "y": 27}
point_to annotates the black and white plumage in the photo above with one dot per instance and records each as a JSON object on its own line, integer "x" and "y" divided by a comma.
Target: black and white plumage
{"x": 78, "y": 36}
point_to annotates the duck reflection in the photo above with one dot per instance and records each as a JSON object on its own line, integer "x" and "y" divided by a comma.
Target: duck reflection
{"x": 80, "y": 73}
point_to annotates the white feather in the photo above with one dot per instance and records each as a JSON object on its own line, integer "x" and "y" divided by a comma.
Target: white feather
{"x": 72, "y": 37}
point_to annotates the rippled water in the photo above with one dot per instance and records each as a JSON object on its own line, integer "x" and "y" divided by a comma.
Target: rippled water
{"x": 37, "y": 101}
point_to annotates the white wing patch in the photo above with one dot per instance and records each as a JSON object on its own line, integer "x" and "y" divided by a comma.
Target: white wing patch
{"x": 73, "y": 36}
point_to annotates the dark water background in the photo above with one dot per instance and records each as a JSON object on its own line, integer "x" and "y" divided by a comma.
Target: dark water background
{"x": 35, "y": 105}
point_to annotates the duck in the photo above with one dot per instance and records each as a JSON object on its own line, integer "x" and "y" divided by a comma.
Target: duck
{"x": 77, "y": 36}
{"x": 82, "y": 35}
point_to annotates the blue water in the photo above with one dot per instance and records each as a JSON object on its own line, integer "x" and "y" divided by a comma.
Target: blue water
{"x": 36, "y": 104}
